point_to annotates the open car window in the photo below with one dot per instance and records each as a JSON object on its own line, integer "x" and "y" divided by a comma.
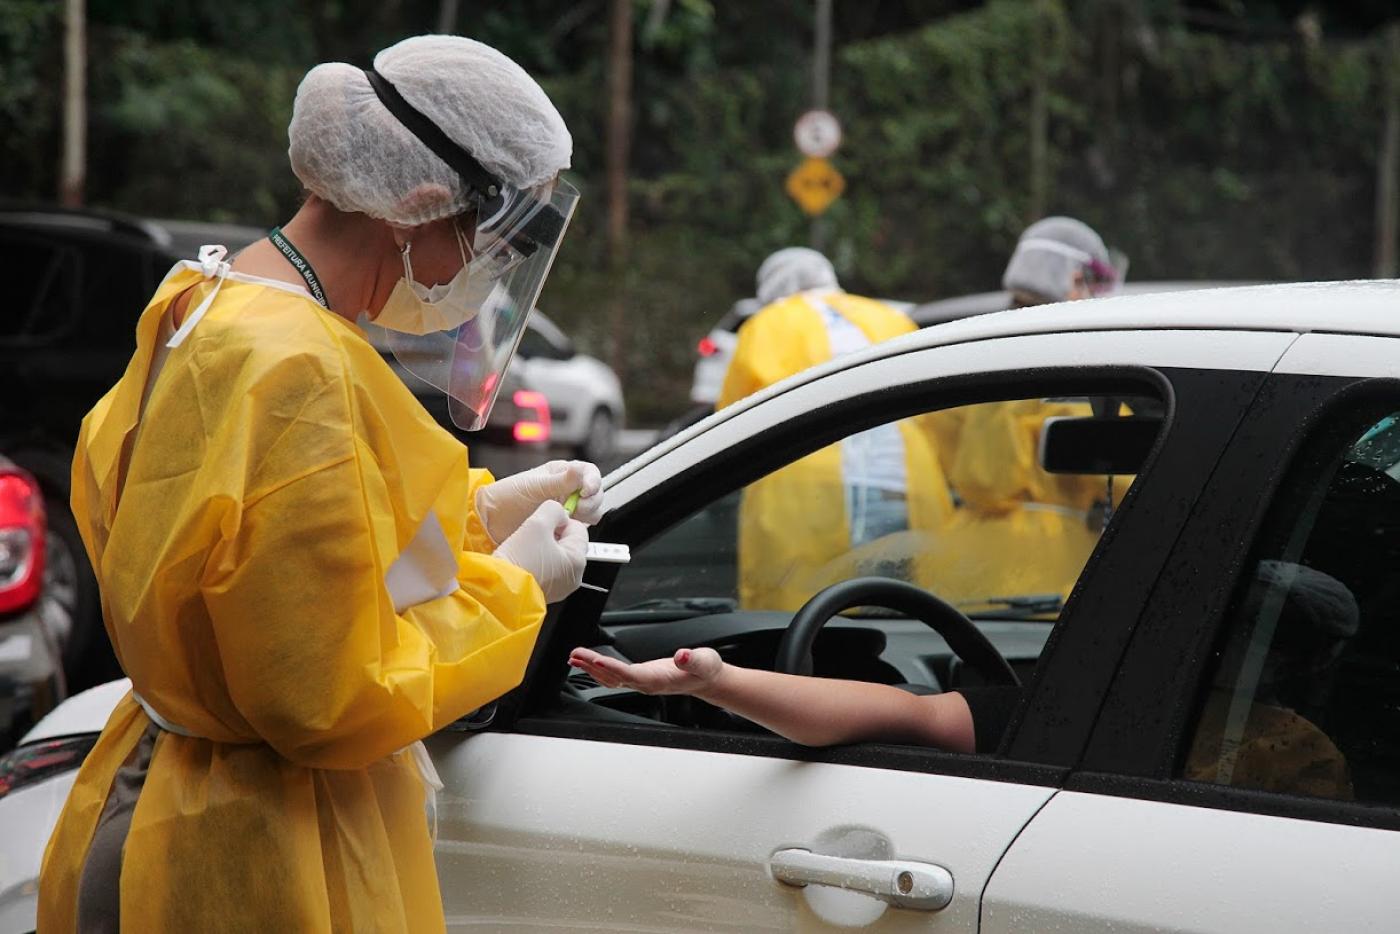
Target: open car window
{"x": 995, "y": 508}
{"x": 956, "y": 501}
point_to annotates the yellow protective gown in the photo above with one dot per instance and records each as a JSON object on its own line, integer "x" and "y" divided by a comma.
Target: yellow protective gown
{"x": 794, "y": 534}
{"x": 1019, "y": 530}
{"x": 241, "y": 553}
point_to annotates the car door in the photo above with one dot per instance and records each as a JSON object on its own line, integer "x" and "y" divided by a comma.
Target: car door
{"x": 559, "y": 817}
{"x": 1245, "y": 773}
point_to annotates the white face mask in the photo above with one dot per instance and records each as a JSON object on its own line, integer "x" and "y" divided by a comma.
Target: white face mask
{"x": 414, "y": 308}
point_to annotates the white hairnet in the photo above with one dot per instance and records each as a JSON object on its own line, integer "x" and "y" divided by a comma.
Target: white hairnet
{"x": 347, "y": 148}
{"x": 1048, "y": 254}
{"x": 791, "y": 270}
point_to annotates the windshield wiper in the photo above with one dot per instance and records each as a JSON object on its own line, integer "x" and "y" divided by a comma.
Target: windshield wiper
{"x": 1021, "y": 606}
{"x": 708, "y": 604}
{"x": 671, "y": 607}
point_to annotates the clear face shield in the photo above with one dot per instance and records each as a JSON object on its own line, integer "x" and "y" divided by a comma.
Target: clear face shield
{"x": 513, "y": 246}
{"x": 1106, "y": 278}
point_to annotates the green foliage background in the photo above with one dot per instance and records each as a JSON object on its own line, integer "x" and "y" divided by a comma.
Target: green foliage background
{"x": 1201, "y": 153}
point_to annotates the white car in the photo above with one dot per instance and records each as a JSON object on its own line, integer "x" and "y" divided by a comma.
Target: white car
{"x": 715, "y": 351}
{"x": 1207, "y": 733}
{"x": 584, "y": 394}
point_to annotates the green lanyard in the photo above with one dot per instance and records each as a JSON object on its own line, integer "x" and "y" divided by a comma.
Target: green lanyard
{"x": 299, "y": 263}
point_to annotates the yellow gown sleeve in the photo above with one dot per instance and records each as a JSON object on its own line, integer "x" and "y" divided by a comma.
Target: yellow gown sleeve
{"x": 477, "y": 538}
{"x": 314, "y": 654}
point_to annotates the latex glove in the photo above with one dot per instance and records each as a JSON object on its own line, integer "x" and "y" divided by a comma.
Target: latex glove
{"x": 508, "y": 502}
{"x": 552, "y": 547}
{"x": 689, "y": 671}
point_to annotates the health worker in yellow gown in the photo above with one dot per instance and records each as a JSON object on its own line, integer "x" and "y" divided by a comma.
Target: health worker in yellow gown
{"x": 1018, "y": 529}
{"x": 861, "y": 506}
{"x": 300, "y": 572}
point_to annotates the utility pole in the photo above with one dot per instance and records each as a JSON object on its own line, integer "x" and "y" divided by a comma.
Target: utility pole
{"x": 821, "y": 92}
{"x": 447, "y": 18}
{"x": 73, "y": 169}
{"x": 619, "y": 144}
{"x": 1388, "y": 162}
{"x": 1039, "y": 118}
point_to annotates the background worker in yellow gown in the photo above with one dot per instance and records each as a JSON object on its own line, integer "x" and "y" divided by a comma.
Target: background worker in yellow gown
{"x": 804, "y": 527}
{"x": 299, "y": 571}
{"x": 1020, "y": 530}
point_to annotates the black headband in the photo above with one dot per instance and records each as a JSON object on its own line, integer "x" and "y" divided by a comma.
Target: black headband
{"x": 473, "y": 173}
{"x": 544, "y": 227}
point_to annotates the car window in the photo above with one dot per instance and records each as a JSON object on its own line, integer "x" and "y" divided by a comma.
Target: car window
{"x": 954, "y": 501}
{"x": 46, "y": 300}
{"x": 533, "y": 344}
{"x": 117, "y": 283}
{"x": 1304, "y": 693}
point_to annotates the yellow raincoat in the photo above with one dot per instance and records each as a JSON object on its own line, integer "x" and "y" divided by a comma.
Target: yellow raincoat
{"x": 794, "y": 534}
{"x": 1019, "y": 529}
{"x": 241, "y": 545}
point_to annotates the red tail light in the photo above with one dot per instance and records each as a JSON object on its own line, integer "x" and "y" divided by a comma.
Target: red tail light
{"x": 21, "y": 539}
{"x": 534, "y": 425}
{"x": 707, "y": 347}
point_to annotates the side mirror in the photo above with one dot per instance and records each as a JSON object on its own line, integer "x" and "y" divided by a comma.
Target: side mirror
{"x": 1117, "y": 445}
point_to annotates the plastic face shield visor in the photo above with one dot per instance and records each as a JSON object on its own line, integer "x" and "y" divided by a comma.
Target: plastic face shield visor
{"x": 1106, "y": 278}
{"x": 512, "y": 253}
{"x": 514, "y": 239}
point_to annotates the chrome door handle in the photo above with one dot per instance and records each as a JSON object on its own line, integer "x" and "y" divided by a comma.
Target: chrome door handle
{"x": 901, "y": 883}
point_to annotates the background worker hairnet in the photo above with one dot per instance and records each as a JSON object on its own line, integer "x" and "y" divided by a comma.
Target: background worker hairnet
{"x": 295, "y": 567}
{"x": 792, "y": 270}
{"x": 1054, "y": 255}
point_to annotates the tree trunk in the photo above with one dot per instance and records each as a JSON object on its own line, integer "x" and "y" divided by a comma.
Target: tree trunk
{"x": 821, "y": 94}
{"x": 619, "y": 145}
{"x": 73, "y": 171}
{"x": 1388, "y": 163}
{"x": 447, "y": 17}
{"x": 1039, "y": 121}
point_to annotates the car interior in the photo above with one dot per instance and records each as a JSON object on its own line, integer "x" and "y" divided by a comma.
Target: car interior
{"x": 870, "y": 619}
{"x": 1321, "y": 613}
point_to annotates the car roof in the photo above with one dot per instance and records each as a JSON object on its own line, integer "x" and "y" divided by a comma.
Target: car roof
{"x": 186, "y": 237}
{"x": 1370, "y": 306}
{"x": 1367, "y": 306}
{"x": 83, "y": 223}
{"x": 539, "y": 321}
{"x": 982, "y": 303}
{"x": 177, "y": 239}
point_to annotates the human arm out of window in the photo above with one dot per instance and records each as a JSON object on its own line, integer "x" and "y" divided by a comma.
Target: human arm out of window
{"x": 809, "y": 711}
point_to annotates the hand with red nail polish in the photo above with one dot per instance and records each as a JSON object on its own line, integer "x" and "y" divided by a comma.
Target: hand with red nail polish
{"x": 689, "y": 671}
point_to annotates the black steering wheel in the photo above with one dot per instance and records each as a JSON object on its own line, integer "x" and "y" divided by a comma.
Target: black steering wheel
{"x": 964, "y": 638}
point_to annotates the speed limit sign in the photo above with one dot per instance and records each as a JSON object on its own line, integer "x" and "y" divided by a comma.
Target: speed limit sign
{"x": 817, "y": 133}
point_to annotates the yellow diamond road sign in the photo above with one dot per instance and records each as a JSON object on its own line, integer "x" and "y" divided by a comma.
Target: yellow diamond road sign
{"x": 814, "y": 185}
